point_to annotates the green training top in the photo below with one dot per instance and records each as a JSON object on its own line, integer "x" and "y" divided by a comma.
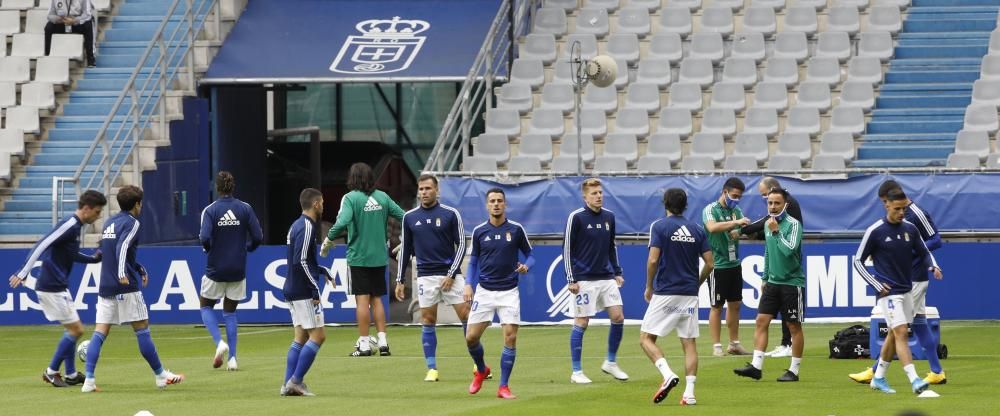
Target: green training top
{"x": 783, "y": 254}
{"x": 725, "y": 248}
{"x": 364, "y": 218}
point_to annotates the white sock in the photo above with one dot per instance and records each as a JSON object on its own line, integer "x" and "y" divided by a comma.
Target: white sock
{"x": 661, "y": 365}
{"x": 50, "y": 371}
{"x": 381, "y": 340}
{"x": 716, "y": 345}
{"x": 881, "y": 368}
{"x": 734, "y": 343}
{"x": 794, "y": 368}
{"x": 911, "y": 372}
{"x": 689, "y": 387}
{"x": 758, "y": 359}
{"x": 71, "y": 375}
{"x": 363, "y": 344}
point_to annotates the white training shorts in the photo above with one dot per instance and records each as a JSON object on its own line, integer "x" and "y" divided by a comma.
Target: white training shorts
{"x": 919, "y": 295}
{"x": 210, "y": 289}
{"x": 121, "y": 309}
{"x": 595, "y": 296}
{"x": 429, "y": 291}
{"x": 671, "y": 312}
{"x": 306, "y": 314}
{"x": 58, "y": 307}
{"x": 506, "y": 304}
{"x": 897, "y": 309}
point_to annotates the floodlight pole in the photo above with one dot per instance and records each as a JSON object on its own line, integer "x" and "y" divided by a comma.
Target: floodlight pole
{"x": 579, "y": 77}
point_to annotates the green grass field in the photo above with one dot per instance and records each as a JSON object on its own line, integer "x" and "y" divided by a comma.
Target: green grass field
{"x": 393, "y": 385}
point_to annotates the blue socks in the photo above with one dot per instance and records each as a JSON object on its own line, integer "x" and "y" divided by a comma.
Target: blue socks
{"x": 306, "y": 358}
{"x": 94, "y": 352}
{"x": 507, "y": 364}
{"x": 576, "y": 346}
{"x": 231, "y": 325}
{"x": 212, "y": 324}
{"x": 614, "y": 340}
{"x": 148, "y": 350}
{"x": 465, "y": 328}
{"x": 477, "y": 357}
{"x": 927, "y": 341}
{"x": 429, "y": 340}
{"x": 65, "y": 348}
{"x": 292, "y": 360}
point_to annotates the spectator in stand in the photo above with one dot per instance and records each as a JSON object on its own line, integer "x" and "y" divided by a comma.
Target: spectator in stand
{"x": 72, "y": 16}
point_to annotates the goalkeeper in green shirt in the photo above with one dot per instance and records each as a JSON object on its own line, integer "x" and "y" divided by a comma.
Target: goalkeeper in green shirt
{"x": 783, "y": 285}
{"x": 364, "y": 213}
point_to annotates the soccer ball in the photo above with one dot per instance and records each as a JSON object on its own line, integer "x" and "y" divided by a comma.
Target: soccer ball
{"x": 81, "y": 350}
{"x": 371, "y": 341}
{"x": 143, "y": 413}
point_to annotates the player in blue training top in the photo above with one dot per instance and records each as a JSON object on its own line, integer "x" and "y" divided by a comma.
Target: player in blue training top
{"x": 894, "y": 245}
{"x": 672, "y": 281}
{"x": 119, "y": 294}
{"x": 494, "y": 267}
{"x": 594, "y": 277}
{"x": 433, "y": 233}
{"x": 57, "y": 252}
{"x": 229, "y": 229}
{"x": 929, "y": 343}
{"x": 301, "y": 290}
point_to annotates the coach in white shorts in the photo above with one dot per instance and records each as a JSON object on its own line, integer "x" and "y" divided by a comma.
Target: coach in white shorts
{"x": 594, "y": 277}
{"x": 894, "y": 245}
{"x": 55, "y": 255}
{"x": 494, "y": 269}
{"x": 672, "y": 282}
{"x": 433, "y": 234}
{"x": 120, "y": 298}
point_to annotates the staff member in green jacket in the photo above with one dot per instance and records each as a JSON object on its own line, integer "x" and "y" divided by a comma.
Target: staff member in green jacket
{"x": 363, "y": 215}
{"x": 784, "y": 282}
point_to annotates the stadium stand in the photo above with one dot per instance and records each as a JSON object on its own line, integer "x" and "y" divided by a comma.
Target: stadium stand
{"x": 895, "y": 76}
{"x": 61, "y": 105}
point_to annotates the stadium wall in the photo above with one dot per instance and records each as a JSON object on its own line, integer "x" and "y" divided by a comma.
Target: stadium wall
{"x": 833, "y": 290}
{"x": 957, "y": 202}
{"x": 177, "y": 190}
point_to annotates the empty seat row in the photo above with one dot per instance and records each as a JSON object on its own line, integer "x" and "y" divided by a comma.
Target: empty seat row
{"x": 568, "y": 6}
{"x": 33, "y": 94}
{"x": 50, "y": 69}
{"x": 32, "y": 45}
{"x": 678, "y": 19}
{"x": 670, "y": 47}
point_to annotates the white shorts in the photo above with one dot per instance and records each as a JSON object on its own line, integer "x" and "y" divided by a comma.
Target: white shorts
{"x": 429, "y": 291}
{"x": 58, "y": 306}
{"x": 897, "y": 309}
{"x": 595, "y": 296}
{"x": 671, "y": 312}
{"x": 506, "y": 304}
{"x": 919, "y": 296}
{"x": 306, "y": 314}
{"x": 210, "y": 289}
{"x": 121, "y": 309}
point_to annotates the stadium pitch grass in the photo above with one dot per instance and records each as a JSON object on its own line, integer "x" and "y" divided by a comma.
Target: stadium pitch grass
{"x": 393, "y": 385}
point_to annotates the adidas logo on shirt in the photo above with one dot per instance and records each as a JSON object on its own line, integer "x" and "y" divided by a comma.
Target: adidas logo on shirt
{"x": 372, "y": 205}
{"x": 683, "y": 235}
{"x": 228, "y": 219}
{"x": 109, "y": 232}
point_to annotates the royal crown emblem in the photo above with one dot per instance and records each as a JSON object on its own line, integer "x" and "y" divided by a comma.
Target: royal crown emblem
{"x": 384, "y": 46}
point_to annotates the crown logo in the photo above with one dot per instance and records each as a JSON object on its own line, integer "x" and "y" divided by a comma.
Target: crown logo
{"x": 394, "y": 27}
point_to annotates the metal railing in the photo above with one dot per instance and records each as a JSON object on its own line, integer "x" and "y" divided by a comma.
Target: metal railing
{"x": 476, "y": 94}
{"x": 146, "y": 90}
{"x": 504, "y": 176}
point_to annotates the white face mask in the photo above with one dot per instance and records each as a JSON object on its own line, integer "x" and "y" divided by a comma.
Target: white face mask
{"x": 781, "y": 215}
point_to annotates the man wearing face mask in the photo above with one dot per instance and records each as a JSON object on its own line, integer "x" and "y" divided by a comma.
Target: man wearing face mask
{"x": 783, "y": 284}
{"x": 756, "y": 231}
{"x": 723, "y": 219}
